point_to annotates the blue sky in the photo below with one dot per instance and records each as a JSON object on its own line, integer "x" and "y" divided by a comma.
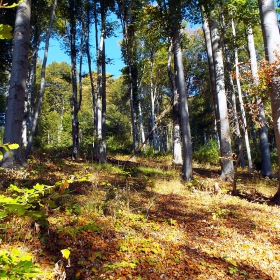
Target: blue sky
{"x": 112, "y": 51}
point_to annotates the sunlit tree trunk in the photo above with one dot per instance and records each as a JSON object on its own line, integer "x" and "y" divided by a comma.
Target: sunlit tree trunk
{"x": 207, "y": 36}
{"x": 241, "y": 104}
{"x": 16, "y": 97}
{"x": 29, "y": 147}
{"x": 184, "y": 113}
{"x": 128, "y": 34}
{"x": 236, "y": 127}
{"x": 177, "y": 143}
{"x": 142, "y": 134}
{"x": 271, "y": 38}
{"x": 102, "y": 150}
{"x": 225, "y": 140}
{"x": 153, "y": 98}
{"x": 75, "y": 100}
{"x": 87, "y": 50}
{"x": 265, "y": 155}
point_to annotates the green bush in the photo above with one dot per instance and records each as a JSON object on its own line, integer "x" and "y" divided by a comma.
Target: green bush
{"x": 17, "y": 265}
{"x": 208, "y": 153}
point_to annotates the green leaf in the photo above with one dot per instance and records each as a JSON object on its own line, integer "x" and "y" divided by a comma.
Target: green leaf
{"x": 5, "y": 31}
{"x": 13, "y": 146}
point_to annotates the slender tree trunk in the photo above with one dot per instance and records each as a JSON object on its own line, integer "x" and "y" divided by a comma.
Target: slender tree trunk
{"x": 184, "y": 113}
{"x": 75, "y": 102}
{"x": 236, "y": 128}
{"x": 153, "y": 97}
{"x": 208, "y": 42}
{"x": 103, "y": 121}
{"x": 87, "y": 45}
{"x": 225, "y": 141}
{"x": 271, "y": 44}
{"x": 177, "y": 143}
{"x": 16, "y": 97}
{"x": 128, "y": 34}
{"x": 241, "y": 104}
{"x": 142, "y": 134}
{"x": 29, "y": 147}
{"x": 265, "y": 155}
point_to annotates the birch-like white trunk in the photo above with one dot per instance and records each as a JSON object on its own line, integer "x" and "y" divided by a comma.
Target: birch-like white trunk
{"x": 225, "y": 140}
{"x": 184, "y": 113}
{"x": 241, "y": 104}
{"x": 142, "y": 133}
{"x": 271, "y": 38}
{"x": 16, "y": 97}
{"x": 265, "y": 155}
{"x": 176, "y": 135}
{"x": 153, "y": 97}
{"x": 236, "y": 127}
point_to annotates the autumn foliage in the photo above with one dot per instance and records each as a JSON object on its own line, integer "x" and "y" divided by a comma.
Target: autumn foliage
{"x": 135, "y": 221}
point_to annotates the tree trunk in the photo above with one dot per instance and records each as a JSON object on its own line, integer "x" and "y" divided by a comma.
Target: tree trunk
{"x": 265, "y": 155}
{"x": 177, "y": 143}
{"x": 16, "y": 97}
{"x": 271, "y": 38}
{"x": 75, "y": 102}
{"x": 243, "y": 116}
{"x": 102, "y": 158}
{"x": 29, "y": 147}
{"x": 128, "y": 34}
{"x": 208, "y": 42}
{"x": 225, "y": 141}
{"x": 184, "y": 113}
{"x": 87, "y": 44}
{"x": 142, "y": 134}
{"x": 236, "y": 127}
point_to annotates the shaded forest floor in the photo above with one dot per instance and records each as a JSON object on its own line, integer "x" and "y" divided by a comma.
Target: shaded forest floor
{"x": 139, "y": 221}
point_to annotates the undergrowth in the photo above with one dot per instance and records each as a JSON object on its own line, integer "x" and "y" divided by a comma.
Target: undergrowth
{"x": 136, "y": 220}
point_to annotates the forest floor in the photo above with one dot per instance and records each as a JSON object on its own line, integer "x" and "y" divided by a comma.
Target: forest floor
{"x": 135, "y": 220}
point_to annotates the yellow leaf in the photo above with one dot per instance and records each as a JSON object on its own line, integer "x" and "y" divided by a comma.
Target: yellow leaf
{"x": 65, "y": 253}
{"x": 13, "y": 146}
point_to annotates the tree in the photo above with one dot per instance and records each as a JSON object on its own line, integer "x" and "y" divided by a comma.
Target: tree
{"x": 127, "y": 13}
{"x": 16, "y": 97}
{"x": 225, "y": 137}
{"x": 54, "y": 122}
{"x": 272, "y": 44}
{"x": 175, "y": 27}
{"x": 265, "y": 154}
{"x": 42, "y": 86}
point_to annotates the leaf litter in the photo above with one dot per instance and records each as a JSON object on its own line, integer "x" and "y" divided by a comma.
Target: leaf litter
{"x": 142, "y": 223}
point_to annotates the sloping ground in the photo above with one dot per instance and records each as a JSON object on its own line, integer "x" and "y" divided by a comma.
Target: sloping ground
{"x": 141, "y": 222}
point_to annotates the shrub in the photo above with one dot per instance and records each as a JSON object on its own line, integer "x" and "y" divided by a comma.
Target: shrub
{"x": 208, "y": 153}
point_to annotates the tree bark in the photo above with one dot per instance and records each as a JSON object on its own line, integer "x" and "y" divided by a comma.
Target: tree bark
{"x": 29, "y": 147}
{"x": 75, "y": 101}
{"x": 225, "y": 140}
{"x": 271, "y": 38}
{"x": 241, "y": 104}
{"x": 16, "y": 97}
{"x": 207, "y": 36}
{"x": 184, "y": 113}
{"x": 177, "y": 143}
{"x": 265, "y": 155}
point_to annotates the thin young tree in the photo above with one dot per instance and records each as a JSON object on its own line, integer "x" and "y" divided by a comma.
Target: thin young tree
{"x": 42, "y": 85}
